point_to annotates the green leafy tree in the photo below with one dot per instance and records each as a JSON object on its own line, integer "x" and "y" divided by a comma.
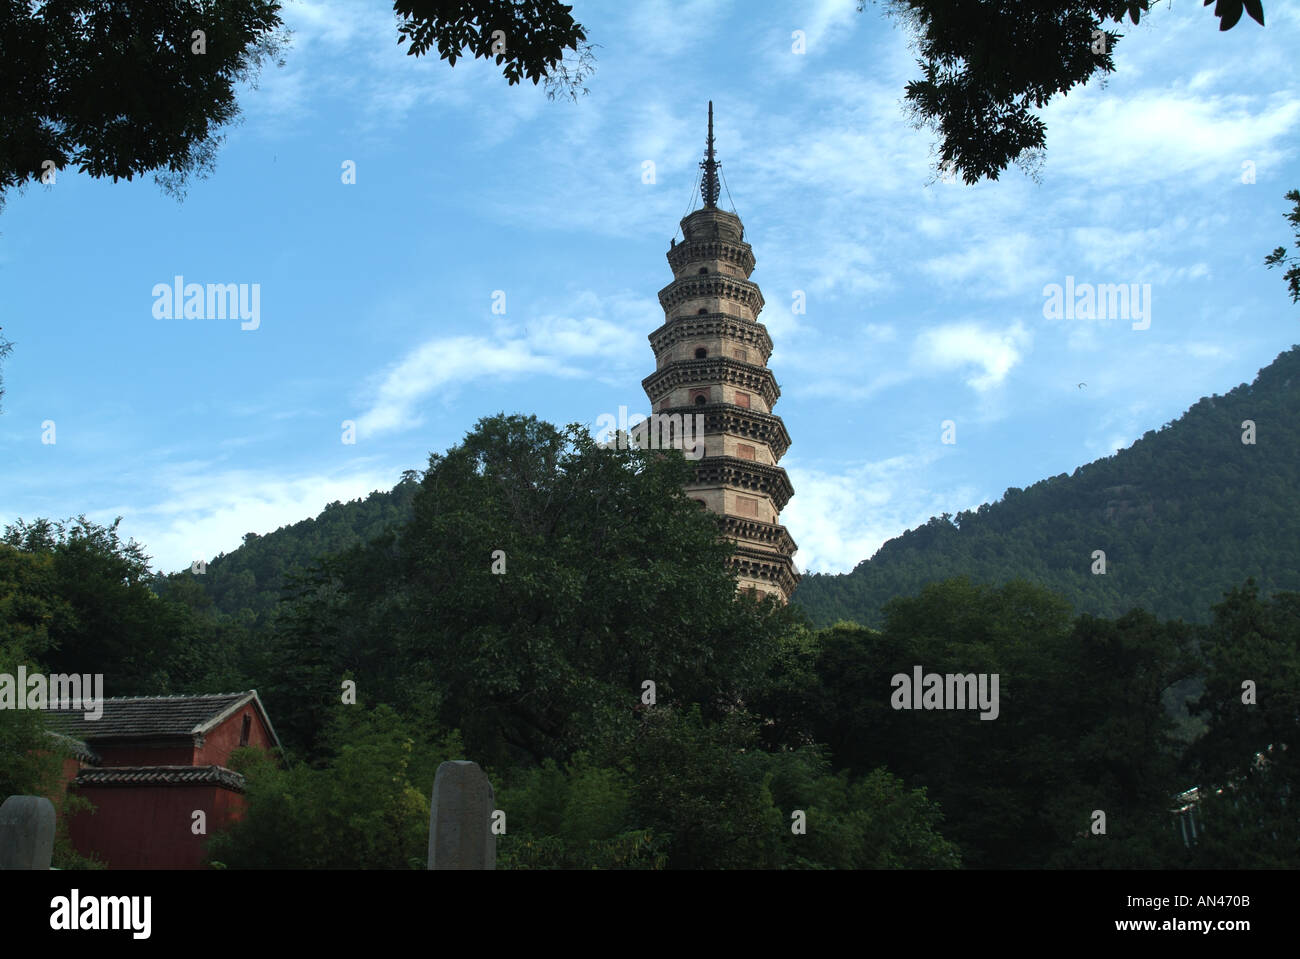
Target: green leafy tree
{"x": 1255, "y": 641}
{"x": 363, "y": 807}
{"x": 578, "y": 816}
{"x": 606, "y": 576}
{"x": 30, "y": 758}
{"x": 1245, "y": 765}
{"x": 5, "y": 349}
{"x": 1080, "y": 723}
{"x": 530, "y": 40}
{"x": 695, "y": 787}
{"x": 119, "y": 88}
{"x": 868, "y": 822}
{"x": 1279, "y": 256}
{"x": 985, "y": 67}
{"x": 29, "y": 607}
{"x": 711, "y": 798}
{"x": 111, "y": 620}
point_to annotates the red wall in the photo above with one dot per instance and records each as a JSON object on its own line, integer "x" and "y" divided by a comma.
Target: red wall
{"x": 215, "y": 751}
{"x": 178, "y": 755}
{"x": 149, "y": 827}
{"x": 222, "y": 741}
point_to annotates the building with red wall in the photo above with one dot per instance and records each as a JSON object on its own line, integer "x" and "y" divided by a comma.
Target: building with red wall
{"x": 149, "y": 764}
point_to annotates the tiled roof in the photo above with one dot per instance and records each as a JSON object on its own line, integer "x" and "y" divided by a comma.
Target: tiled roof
{"x": 74, "y": 747}
{"x": 161, "y": 776}
{"x": 152, "y": 717}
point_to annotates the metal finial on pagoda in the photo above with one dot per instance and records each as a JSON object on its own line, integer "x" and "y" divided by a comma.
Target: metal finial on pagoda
{"x": 709, "y": 188}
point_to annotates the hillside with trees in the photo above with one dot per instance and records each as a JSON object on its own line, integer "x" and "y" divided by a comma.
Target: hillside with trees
{"x": 564, "y": 615}
{"x": 1182, "y": 515}
{"x": 248, "y": 582}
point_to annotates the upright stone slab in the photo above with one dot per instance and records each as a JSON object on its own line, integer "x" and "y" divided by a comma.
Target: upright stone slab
{"x": 460, "y": 820}
{"x": 26, "y": 832}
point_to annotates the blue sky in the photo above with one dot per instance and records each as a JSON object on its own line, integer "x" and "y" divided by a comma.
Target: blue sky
{"x": 925, "y": 299}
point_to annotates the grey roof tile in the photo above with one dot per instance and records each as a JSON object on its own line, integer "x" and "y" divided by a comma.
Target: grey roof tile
{"x": 161, "y": 776}
{"x": 74, "y": 747}
{"x": 147, "y": 717}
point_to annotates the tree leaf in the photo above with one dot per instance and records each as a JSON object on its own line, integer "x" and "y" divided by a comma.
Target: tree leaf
{"x": 1228, "y": 12}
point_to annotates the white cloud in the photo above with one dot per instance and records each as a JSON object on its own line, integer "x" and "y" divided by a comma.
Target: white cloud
{"x": 199, "y": 512}
{"x": 840, "y": 519}
{"x": 540, "y": 346}
{"x": 442, "y": 362}
{"x": 330, "y": 22}
{"x": 824, "y": 25}
{"x": 957, "y": 346}
{"x": 1166, "y": 136}
{"x": 664, "y": 28}
{"x": 989, "y": 265}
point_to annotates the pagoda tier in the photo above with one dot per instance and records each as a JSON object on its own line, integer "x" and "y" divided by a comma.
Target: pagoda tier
{"x": 740, "y": 425}
{"x": 737, "y": 374}
{"x": 683, "y": 333}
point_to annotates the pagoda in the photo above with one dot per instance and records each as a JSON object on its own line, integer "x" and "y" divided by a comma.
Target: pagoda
{"x": 711, "y": 359}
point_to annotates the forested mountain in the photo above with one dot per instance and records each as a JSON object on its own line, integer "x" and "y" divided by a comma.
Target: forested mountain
{"x": 563, "y": 615}
{"x": 250, "y": 578}
{"x": 1182, "y": 515}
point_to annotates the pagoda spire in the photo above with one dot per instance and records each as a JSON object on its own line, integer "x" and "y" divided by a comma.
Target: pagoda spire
{"x": 709, "y": 188}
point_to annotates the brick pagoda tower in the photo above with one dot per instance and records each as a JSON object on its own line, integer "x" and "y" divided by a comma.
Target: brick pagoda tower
{"x": 711, "y": 358}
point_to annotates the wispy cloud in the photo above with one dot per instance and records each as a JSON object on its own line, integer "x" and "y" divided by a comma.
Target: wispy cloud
{"x": 195, "y": 511}
{"x": 1169, "y": 137}
{"x": 553, "y": 345}
{"x": 961, "y": 346}
{"x": 841, "y": 518}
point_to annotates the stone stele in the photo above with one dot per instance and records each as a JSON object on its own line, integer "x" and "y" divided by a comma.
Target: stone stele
{"x": 460, "y": 833}
{"x": 26, "y": 832}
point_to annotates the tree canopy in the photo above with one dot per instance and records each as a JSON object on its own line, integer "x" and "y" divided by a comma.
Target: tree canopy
{"x": 513, "y": 612}
{"x": 986, "y": 66}
{"x": 119, "y": 88}
{"x": 1279, "y": 256}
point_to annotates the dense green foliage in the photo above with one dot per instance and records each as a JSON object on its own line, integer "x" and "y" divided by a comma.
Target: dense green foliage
{"x": 32, "y": 610}
{"x": 607, "y": 576}
{"x": 1080, "y": 725}
{"x": 1183, "y": 515}
{"x": 1279, "y": 257}
{"x": 117, "y": 90}
{"x": 367, "y": 807}
{"x": 29, "y": 605}
{"x": 605, "y": 579}
{"x": 510, "y": 604}
{"x": 120, "y": 89}
{"x": 986, "y": 68}
{"x": 101, "y": 613}
{"x": 1250, "y": 752}
{"x": 529, "y": 40}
